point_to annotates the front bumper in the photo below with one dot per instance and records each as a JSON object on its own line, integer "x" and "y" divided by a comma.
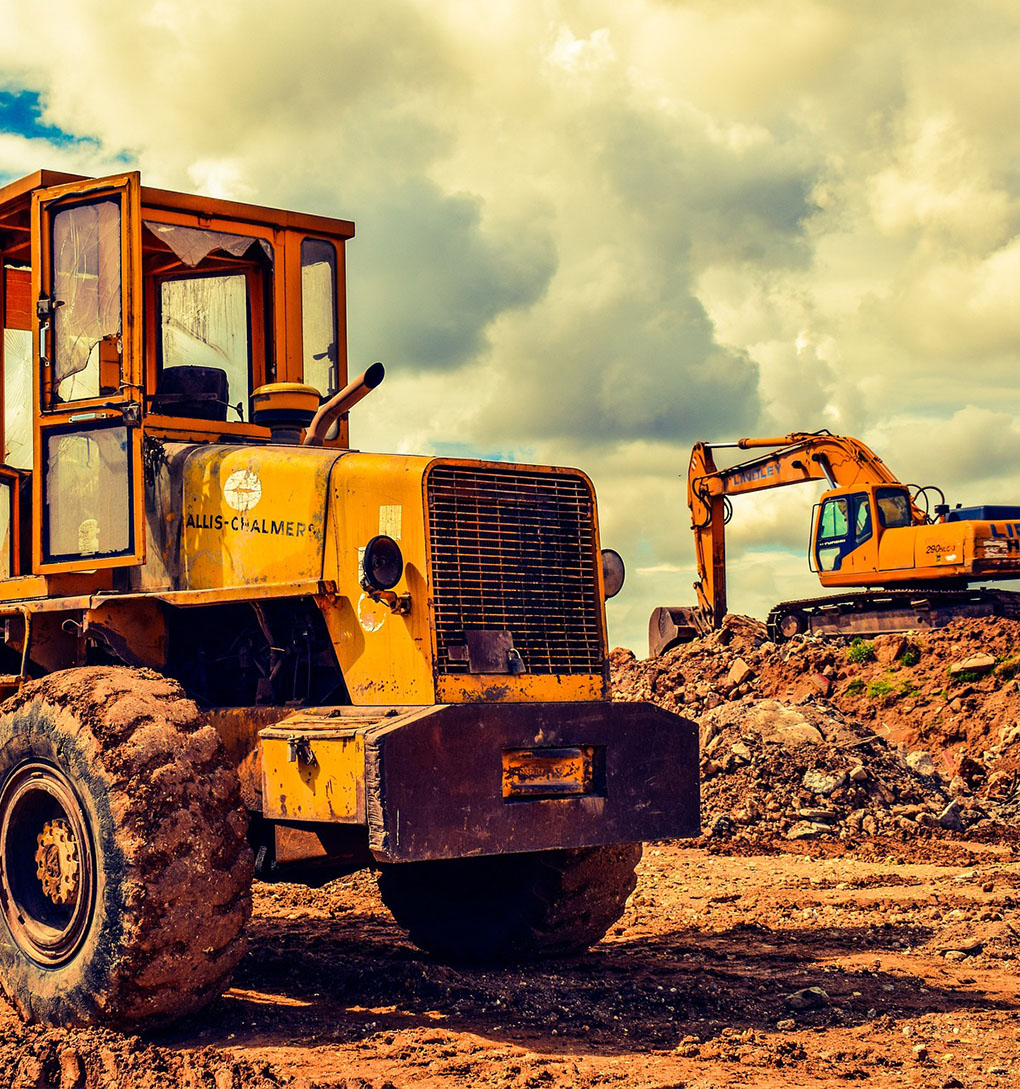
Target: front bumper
{"x": 456, "y": 780}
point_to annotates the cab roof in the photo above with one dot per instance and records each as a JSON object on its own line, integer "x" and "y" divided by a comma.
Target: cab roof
{"x": 16, "y": 196}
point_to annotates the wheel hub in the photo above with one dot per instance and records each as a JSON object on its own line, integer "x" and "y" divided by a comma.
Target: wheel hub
{"x": 791, "y": 624}
{"x": 56, "y": 862}
{"x": 47, "y": 863}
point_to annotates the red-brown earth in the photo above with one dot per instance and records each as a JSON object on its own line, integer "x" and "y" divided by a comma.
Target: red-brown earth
{"x": 849, "y": 916}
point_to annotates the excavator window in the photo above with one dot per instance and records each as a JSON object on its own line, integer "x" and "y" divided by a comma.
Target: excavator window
{"x": 833, "y": 533}
{"x": 844, "y": 524}
{"x": 893, "y": 507}
{"x": 862, "y": 518}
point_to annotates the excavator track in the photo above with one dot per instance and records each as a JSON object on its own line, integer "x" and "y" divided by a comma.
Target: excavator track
{"x": 876, "y": 612}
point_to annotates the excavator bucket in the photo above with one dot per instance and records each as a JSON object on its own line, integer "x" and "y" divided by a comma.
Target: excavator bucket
{"x": 671, "y": 625}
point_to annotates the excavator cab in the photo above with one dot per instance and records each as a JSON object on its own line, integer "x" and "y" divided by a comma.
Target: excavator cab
{"x": 849, "y": 525}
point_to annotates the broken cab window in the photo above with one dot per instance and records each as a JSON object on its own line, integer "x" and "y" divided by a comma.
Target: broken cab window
{"x": 18, "y": 398}
{"x": 88, "y": 479}
{"x": 318, "y": 314}
{"x": 86, "y": 305}
{"x": 194, "y": 244}
{"x": 205, "y": 324}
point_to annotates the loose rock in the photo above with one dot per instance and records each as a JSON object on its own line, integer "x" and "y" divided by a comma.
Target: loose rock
{"x": 977, "y": 663}
{"x": 809, "y": 998}
{"x": 921, "y": 762}
{"x": 875, "y": 735}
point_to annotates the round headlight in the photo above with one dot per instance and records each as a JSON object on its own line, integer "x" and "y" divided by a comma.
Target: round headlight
{"x": 382, "y": 564}
{"x": 613, "y": 572}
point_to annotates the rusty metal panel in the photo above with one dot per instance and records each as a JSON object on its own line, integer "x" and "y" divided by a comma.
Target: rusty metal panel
{"x": 435, "y": 781}
{"x": 459, "y": 780}
{"x": 243, "y": 730}
{"x": 549, "y": 772}
{"x": 239, "y": 728}
{"x": 134, "y": 631}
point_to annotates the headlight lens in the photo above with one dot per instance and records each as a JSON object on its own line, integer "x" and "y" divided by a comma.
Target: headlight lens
{"x": 381, "y": 564}
{"x": 613, "y": 572}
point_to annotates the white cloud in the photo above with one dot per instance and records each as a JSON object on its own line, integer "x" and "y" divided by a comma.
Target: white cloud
{"x": 581, "y": 55}
{"x": 596, "y": 232}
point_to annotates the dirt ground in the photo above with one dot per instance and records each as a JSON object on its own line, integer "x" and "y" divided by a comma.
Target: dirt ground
{"x": 914, "y": 945}
{"x": 850, "y": 914}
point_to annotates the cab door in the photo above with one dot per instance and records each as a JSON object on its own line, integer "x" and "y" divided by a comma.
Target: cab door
{"x": 862, "y": 558}
{"x": 843, "y": 529}
{"x": 86, "y": 283}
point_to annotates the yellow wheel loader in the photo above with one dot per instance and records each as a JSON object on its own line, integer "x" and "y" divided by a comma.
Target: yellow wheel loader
{"x": 232, "y": 645}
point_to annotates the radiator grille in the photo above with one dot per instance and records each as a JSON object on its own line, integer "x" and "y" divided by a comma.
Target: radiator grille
{"x": 515, "y": 550}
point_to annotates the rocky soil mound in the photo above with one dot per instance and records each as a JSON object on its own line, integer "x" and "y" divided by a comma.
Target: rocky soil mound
{"x": 840, "y": 737}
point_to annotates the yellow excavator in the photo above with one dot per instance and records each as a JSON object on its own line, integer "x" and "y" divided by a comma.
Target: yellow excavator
{"x": 916, "y": 557}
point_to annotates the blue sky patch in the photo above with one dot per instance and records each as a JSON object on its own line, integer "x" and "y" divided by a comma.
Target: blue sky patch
{"x": 20, "y": 114}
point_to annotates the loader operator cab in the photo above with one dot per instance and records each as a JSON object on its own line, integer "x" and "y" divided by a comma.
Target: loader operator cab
{"x": 134, "y": 316}
{"x": 848, "y": 520}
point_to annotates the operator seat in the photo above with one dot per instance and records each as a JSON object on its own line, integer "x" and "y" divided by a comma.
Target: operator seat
{"x": 199, "y": 393}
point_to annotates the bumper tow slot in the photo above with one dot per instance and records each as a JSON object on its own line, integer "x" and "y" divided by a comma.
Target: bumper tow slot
{"x": 531, "y": 774}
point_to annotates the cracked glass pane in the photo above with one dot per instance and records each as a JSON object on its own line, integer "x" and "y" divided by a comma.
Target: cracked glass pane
{"x": 87, "y": 300}
{"x": 87, "y": 493}
{"x": 205, "y": 324}
{"x": 18, "y": 398}
{"x": 194, "y": 244}
{"x": 318, "y": 314}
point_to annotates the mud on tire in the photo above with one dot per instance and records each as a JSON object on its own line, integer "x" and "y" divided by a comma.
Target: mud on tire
{"x": 125, "y": 875}
{"x": 515, "y": 907}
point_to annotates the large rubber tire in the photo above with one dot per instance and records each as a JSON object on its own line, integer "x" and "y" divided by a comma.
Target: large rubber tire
{"x": 142, "y": 920}
{"x": 508, "y": 908}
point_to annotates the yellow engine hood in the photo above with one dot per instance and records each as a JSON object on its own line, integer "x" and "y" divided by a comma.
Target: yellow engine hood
{"x": 253, "y": 514}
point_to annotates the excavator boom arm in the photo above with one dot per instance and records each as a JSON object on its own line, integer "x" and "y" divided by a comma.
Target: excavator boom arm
{"x": 793, "y": 459}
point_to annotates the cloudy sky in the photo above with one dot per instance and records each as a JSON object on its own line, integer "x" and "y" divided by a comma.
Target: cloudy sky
{"x": 595, "y": 232}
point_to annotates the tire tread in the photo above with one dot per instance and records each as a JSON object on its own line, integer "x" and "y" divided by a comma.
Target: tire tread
{"x": 511, "y": 908}
{"x": 185, "y": 860}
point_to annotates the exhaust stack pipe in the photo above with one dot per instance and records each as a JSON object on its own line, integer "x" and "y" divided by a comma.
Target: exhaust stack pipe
{"x": 342, "y": 402}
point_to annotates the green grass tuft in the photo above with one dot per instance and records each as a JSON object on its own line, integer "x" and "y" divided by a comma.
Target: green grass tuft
{"x": 860, "y": 651}
{"x": 881, "y": 689}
